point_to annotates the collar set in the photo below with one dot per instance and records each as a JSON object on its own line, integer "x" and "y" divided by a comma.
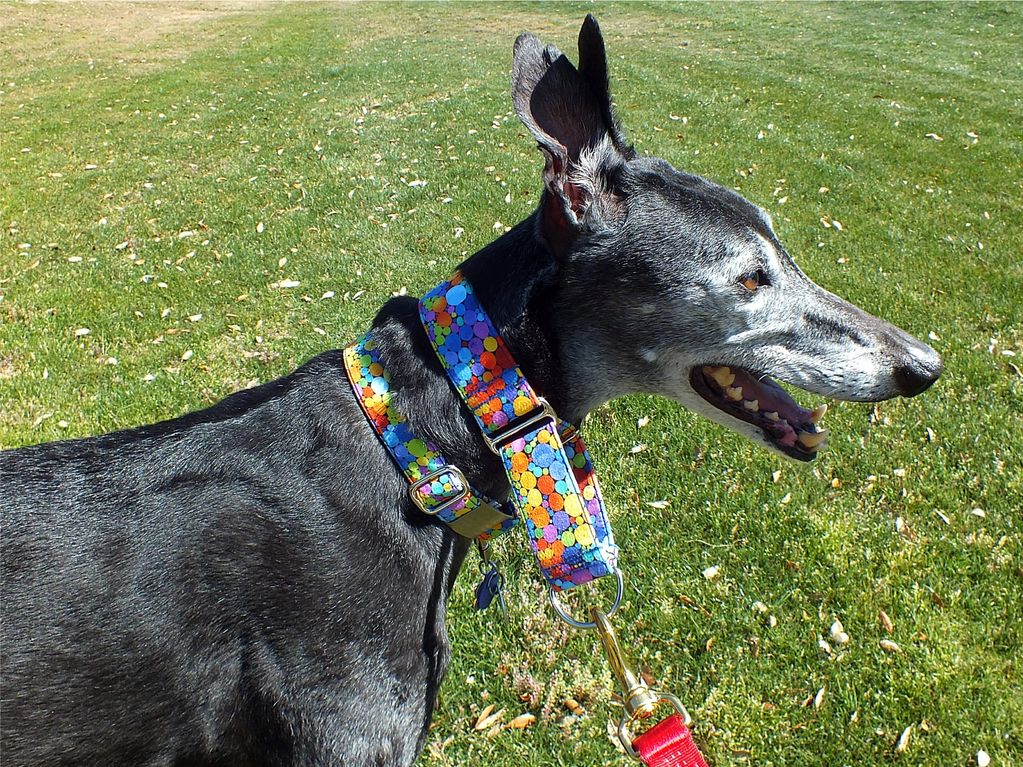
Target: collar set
{"x": 553, "y": 486}
{"x": 554, "y": 489}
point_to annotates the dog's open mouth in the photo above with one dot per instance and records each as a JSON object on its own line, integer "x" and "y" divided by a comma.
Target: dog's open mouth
{"x": 759, "y": 401}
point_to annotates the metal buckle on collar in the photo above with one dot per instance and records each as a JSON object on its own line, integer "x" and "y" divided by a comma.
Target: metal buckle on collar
{"x": 420, "y": 500}
{"x": 520, "y": 426}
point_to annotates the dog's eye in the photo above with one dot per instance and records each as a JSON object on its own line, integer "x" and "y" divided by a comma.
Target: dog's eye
{"x": 755, "y": 280}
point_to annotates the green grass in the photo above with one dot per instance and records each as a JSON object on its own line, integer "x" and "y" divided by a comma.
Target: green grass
{"x": 311, "y": 121}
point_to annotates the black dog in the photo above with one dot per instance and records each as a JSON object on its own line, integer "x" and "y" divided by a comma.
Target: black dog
{"x": 251, "y": 584}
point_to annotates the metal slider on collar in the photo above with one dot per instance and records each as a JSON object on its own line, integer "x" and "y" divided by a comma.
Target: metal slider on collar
{"x": 420, "y": 499}
{"x": 520, "y": 426}
{"x": 472, "y": 521}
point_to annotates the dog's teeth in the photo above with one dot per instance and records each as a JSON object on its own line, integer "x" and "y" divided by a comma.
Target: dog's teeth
{"x": 723, "y": 375}
{"x": 818, "y": 412}
{"x": 771, "y": 415}
{"x": 734, "y": 393}
{"x": 752, "y": 404}
{"x": 812, "y": 439}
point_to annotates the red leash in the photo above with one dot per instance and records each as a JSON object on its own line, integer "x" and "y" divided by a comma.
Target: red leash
{"x": 668, "y": 744}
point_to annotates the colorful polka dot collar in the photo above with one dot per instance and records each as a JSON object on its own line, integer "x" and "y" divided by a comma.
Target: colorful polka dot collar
{"x": 551, "y": 475}
{"x": 437, "y": 487}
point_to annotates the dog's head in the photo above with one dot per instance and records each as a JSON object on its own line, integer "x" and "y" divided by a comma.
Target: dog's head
{"x": 672, "y": 284}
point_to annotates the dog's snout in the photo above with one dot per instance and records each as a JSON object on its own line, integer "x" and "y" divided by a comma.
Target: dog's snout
{"x": 918, "y": 371}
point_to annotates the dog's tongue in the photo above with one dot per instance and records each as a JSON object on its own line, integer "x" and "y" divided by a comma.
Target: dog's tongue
{"x": 769, "y": 406}
{"x": 783, "y": 433}
{"x": 769, "y": 398}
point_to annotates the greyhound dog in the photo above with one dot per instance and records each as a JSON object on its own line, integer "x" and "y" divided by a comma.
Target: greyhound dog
{"x": 251, "y": 583}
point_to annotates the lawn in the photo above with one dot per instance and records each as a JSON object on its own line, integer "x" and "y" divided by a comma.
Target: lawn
{"x": 198, "y": 196}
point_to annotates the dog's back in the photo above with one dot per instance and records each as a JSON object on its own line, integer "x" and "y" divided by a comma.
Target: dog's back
{"x": 182, "y": 592}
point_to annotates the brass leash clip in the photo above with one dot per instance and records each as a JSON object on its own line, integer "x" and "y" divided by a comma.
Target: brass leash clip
{"x": 640, "y": 699}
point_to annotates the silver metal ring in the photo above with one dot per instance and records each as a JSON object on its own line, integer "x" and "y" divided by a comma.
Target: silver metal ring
{"x": 563, "y": 613}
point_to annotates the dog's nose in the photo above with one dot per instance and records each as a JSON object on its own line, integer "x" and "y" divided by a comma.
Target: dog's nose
{"x": 922, "y": 368}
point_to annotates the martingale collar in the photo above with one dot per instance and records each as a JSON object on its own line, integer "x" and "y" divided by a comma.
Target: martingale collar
{"x": 551, "y": 475}
{"x": 553, "y": 486}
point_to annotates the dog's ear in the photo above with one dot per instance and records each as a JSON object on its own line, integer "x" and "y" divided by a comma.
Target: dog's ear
{"x": 593, "y": 68}
{"x": 569, "y": 112}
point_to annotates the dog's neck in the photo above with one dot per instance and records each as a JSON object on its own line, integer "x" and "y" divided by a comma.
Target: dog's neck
{"x": 517, "y": 280}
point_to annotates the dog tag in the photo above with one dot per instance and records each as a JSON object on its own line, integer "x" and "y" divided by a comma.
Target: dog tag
{"x": 489, "y": 588}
